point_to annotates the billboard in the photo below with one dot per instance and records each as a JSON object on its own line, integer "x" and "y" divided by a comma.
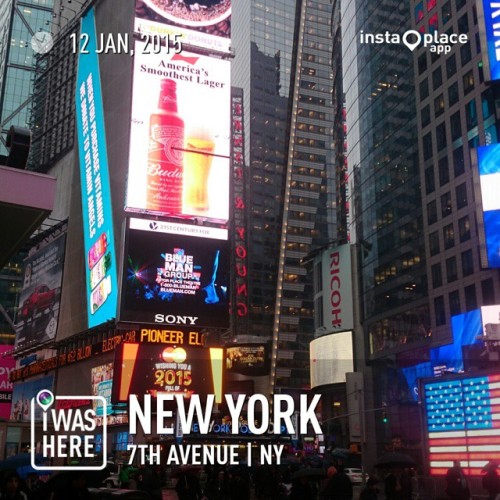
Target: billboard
{"x": 487, "y": 13}
{"x": 174, "y": 369}
{"x": 488, "y": 167}
{"x": 22, "y": 395}
{"x": 7, "y": 363}
{"x": 247, "y": 359}
{"x": 102, "y": 385}
{"x": 179, "y": 136}
{"x": 331, "y": 357}
{"x": 38, "y": 311}
{"x": 205, "y": 23}
{"x": 175, "y": 274}
{"x": 462, "y": 418}
{"x": 337, "y": 289}
{"x": 100, "y": 255}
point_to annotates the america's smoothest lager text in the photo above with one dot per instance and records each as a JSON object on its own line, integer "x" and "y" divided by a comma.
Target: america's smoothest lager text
{"x": 165, "y": 158}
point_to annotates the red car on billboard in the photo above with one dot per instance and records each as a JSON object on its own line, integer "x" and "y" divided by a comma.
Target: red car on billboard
{"x": 40, "y": 299}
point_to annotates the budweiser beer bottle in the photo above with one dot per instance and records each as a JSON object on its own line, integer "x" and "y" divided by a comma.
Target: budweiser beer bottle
{"x": 165, "y": 158}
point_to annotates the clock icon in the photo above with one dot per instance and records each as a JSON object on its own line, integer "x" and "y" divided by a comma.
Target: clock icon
{"x": 42, "y": 42}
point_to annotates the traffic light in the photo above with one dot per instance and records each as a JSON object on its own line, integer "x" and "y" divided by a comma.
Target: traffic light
{"x": 384, "y": 417}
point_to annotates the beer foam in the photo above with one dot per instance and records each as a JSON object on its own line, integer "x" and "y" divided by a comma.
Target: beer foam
{"x": 200, "y": 132}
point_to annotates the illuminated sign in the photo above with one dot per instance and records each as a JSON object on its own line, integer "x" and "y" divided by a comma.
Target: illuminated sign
{"x": 102, "y": 385}
{"x": 247, "y": 359}
{"x": 488, "y": 12}
{"x": 240, "y": 211}
{"x": 174, "y": 369}
{"x": 22, "y": 395}
{"x": 337, "y": 289}
{"x": 205, "y": 24}
{"x": 488, "y": 163}
{"x": 179, "y": 136}
{"x": 100, "y": 256}
{"x": 7, "y": 364}
{"x": 38, "y": 311}
{"x": 331, "y": 358}
{"x": 174, "y": 276}
{"x": 463, "y": 423}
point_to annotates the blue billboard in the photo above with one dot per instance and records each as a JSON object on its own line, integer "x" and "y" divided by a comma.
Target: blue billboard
{"x": 100, "y": 255}
{"x": 488, "y": 12}
{"x": 488, "y": 161}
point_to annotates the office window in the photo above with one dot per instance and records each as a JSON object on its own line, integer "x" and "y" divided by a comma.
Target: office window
{"x": 424, "y": 89}
{"x": 422, "y": 63}
{"x": 458, "y": 161}
{"x": 488, "y": 292}
{"x": 456, "y": 126}
{"x": 429, "y": 180}
{"x": 467, "y": 263}
{"x": 434, "y": 243}
{"x": 465, "y": 53}
{"x": 419, "y": 11}
{"x": 427, "y": 143}
{"x": 448, "y": 236}
{"x": 444, "y": 171}
{"x": 451, "y": 269}
{"x": 451, "y": 66}
{"x": 454, "y": 299}
{"x": 463, "y": 25}
{"x": 441, "y": 136}
{"x": 432, "y": 215}
{"x": 470, "y": 298}
{"x": 437, "y": 276}
{"x": 471, "y": 114}
{"x": 459, "y": 4}
{"x": 453, "y": 95}
{"x": 464, "y": 229}
{"x": 425, "y": 115}
{"x": 439, "y": 105}
{"x": 439, "y": 311}
{"x": 446, "y": 207}
{"x": 437, "y": 78}
{"x": 488, "y": 103}
{"x": 468, "y": 81}
{"x": 446, "y": 12}
{"x": 461, "y": 194}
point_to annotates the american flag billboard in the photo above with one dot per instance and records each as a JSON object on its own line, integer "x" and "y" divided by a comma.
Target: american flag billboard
{"x": 463, "y": 423}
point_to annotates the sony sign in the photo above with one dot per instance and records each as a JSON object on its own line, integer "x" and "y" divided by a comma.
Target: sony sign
{"x": 171, "y": 319}
{"x": 488, "y": 12}
{"x": 337, "y": 289}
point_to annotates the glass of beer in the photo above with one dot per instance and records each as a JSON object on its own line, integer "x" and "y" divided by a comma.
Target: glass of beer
{"x": 198, "y": 153}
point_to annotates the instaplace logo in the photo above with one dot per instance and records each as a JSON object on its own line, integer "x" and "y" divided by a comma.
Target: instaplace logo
{"x": 68, "y": 432}
{"x": 439, "y": 43}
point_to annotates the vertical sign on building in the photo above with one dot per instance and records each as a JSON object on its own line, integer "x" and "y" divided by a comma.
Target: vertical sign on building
{"x": 100, "y": 256}
{"x": 488, "y": 12}
{"x": 239, "y": 210}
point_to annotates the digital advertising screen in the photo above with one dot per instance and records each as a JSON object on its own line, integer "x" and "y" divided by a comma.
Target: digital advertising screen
{"x": 100, "y": 255}
{"x": 179, "y": 136}
{"x": 7, "y": 364}
{"x": 22, "y": 395}
{"x": 174, "y": 369}
{"x": 488, "y": 162}
{"x": 38, "y": 312}
{"x": 205, "y": 23}
{"x": 462, "y": 417}
{"x": 102, "y": 385}
{"x": 247, "y": 359}
{"x": 487, "y": 12}
{"x": 175, "y": 274}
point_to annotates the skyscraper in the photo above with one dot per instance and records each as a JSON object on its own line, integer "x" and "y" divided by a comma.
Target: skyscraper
{"x": 287, "y": 88}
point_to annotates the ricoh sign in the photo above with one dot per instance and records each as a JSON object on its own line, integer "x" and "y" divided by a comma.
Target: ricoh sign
{"x": 337, "y": 289}
{"x": 489, "y": 29}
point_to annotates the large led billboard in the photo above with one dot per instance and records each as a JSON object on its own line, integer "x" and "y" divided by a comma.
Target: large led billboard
{"x": 179, "y": 136}
{"x": 102, "y": 385}
{"x": 38, "y": 311}
{"x": 204, "y": 23}
{"x": 173, "y": 369}
{"x": 462, "y": 417}
{"x": 100, "y": 256}
{"x": 247, "y": 359}
{"x": 7, "y": 364}
{"x": 175, "y": 274}
{"x": 488, "y": 165}
{"x": 488, "y": 12}
{"x": 331, "y": 357}
{"x": 22, "y": 395}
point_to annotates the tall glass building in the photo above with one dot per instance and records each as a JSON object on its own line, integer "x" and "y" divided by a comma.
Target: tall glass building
{"x": 283, "y": 64}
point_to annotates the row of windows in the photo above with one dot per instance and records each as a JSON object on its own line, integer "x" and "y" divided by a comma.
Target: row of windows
{"x": 444, "y": 171}
{"x": 471, "y": 303}
{"x": 446, "y": 204}
{"x": 451, "y": 269}
{"x": 448, "y": 231}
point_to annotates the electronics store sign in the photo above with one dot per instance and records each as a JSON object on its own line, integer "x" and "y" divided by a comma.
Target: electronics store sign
{"x": 489, "y": 29}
